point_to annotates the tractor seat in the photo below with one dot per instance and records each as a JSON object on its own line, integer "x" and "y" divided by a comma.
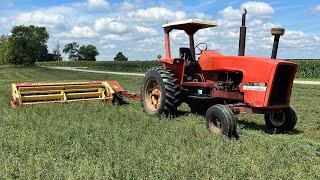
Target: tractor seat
{"x": 191, "y": 65}
{"x": 185, "y": 53}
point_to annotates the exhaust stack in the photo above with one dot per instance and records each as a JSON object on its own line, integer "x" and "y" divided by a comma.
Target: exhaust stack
{"x": 242, "y": 37}
{"x": 276, "y": 32}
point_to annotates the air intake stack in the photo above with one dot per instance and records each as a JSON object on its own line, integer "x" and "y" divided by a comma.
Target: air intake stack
{"x": 276, "y": 32}
{"x": 242, "y": 37}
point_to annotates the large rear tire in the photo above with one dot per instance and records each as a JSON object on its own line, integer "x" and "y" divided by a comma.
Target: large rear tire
{"x": 282, "y": 120}
{"x": 160, "y": 92}
{"x": 221, "y": 120}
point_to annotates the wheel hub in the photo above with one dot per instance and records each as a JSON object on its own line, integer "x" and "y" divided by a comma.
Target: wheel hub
{"x": 277, "y": 118}
{"x": 153, "y": 95}
{"x": 215, "y": 125}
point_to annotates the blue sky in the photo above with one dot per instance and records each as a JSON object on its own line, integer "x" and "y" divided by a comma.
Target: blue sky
{"x": 134, "y": 26}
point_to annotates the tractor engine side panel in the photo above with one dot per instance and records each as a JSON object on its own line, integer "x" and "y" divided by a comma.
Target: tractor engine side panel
{"x": 257, "y": 75}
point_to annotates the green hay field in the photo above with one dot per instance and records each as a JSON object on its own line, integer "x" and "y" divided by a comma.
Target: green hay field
{"x": 94, "y": 140}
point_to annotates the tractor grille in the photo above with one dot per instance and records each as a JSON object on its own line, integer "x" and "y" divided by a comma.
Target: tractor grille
{"x": 281, "y": 88}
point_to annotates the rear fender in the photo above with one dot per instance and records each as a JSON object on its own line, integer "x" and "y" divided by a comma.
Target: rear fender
{"x": 177, "y": 68}
{"x": 166, "y": 60}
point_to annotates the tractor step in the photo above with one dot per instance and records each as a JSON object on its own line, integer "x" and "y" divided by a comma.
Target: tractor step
{"x": 37, "y": 93}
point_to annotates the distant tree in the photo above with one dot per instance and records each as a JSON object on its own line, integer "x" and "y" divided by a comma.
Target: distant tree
{"x": 72, "y": 49}
{"x": 27, "y": 44}
{"x": 54, "y": 56}
{"x": 57, "y": 55}
{"x": 49, "y": 57}
{"x": 3, "y": 39}
{"x": 88, "y": 53}
{"x": 56, "y": 52}
{"x": 3, "y": 49}
{"x": 120, "y": 57}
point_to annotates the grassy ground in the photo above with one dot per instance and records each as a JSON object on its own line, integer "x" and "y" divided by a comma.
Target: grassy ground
{"x": 96, "y": 140}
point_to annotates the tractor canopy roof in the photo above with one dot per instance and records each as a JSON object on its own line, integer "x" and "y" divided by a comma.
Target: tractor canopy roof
{"x": 190, "y": 25}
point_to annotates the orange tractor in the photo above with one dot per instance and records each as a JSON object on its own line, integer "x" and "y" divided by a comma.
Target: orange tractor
{"x": 220, "y": 86}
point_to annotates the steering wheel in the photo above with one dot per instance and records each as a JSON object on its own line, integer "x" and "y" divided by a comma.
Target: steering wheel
{"x": 203, "y": 48}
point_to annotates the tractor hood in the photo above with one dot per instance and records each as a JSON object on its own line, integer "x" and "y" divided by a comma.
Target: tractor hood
{"x": 212, "y": 60}
{"x": 256, "y": 71}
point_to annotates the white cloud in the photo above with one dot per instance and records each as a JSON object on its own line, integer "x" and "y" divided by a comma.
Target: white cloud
{"x": 51, "y": 20}
{"x": 258, "y": 9}
{"x": 83, "y": 32}
{"x": 79, "y": 32}
{"x": 150, "y": 41}
{"x": 114, "y": 37}
{"x": 98, "y": 4}
{"x": 298, "y": 39}
{"x": 315, "y": 10}
{"x": 111, "y": 25}
{"x": 231, "y": 14}
{"x": 142, "y": 50}
{"x": 156, "y": 14}
{"x": 109, "y": 46}
{"x": 146, "y": 30}
{"x": 125, "y": 5}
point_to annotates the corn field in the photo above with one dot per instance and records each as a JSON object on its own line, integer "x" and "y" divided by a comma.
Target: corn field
{"x": 127, "y": 66}
{"x": 307, "y": 68}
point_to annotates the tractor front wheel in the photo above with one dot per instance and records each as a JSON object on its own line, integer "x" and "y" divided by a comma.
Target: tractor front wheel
{"x": 160, "y": 92}
{"x": 221, "y": 120}
{"x": 282, "y": 120}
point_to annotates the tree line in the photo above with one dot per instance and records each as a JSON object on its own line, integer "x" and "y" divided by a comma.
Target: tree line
{"x": 26, "y": 45}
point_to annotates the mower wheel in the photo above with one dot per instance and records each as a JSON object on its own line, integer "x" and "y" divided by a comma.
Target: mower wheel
{"x": 118, "y": 99}
{"x": 282, "y": 120}
{"x": 160, "y": 92}
{"x": 221, "y": 120}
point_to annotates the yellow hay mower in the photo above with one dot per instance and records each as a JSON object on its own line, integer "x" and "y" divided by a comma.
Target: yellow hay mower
{"x": 35, "y": 93}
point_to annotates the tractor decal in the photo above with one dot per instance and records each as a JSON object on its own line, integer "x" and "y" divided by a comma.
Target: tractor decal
{"x": 255, "y": 86}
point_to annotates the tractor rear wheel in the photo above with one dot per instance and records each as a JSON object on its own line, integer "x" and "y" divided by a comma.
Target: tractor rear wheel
{"x": 160, "y": 92}
{"x": 282, "y": 120}
{"x": 220, "y": 120}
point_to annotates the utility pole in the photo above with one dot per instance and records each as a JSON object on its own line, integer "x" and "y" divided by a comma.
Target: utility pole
{"x": 58, "y": 55}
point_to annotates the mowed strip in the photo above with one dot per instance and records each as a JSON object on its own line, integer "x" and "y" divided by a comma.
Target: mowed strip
{"x": 141, "y": 74}
{"x": 307, "y": 82}
{"x": 96, "y": 71}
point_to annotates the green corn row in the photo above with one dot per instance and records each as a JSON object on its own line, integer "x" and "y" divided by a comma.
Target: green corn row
{"x": 128, "y": 66}
{"x": 307, "y": 68}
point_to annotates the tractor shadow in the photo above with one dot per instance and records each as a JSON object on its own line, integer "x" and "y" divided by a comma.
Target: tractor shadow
{"x": 254, "y": 126}
{"x": 180, "y": 113}
{"x": 248, "y": 125}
